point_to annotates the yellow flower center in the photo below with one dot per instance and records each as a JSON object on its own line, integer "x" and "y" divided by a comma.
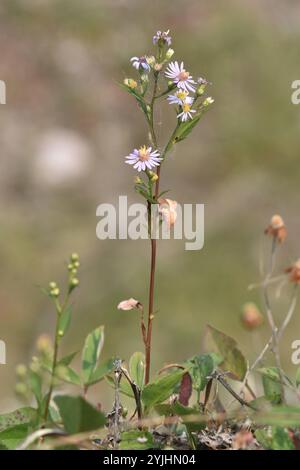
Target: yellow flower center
{"x": 143, "y": 153}
{"x": 183, "y": 75}
{"x": 186, "y": 108}
{"x": 181, "y": 95}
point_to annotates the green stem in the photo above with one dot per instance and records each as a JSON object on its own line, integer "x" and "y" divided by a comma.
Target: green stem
{"x": 59, "y": 310}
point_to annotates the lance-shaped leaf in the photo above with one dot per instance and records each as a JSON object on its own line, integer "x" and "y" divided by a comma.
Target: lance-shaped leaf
{"x": 78, "y": 415}
{"x": 101, "y": 371}
{"x": 91, "y": 352}
{"x": 140, "y": 100}
{"x": 234, "y": 361}
{"x": 159, "y": 390}
{"x": 137, "y": 369}
{"x": 186, "y": 127}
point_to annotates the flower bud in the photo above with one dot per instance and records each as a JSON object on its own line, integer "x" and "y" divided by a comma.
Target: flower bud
{"x": 130, "y": 83}
{"x": 74, "y": 257}
{"x": 138, "y": 180}
{"x": 158, "y": 67}
{"x": 208, "y": 101}
{"x": 153, "y": 176}
{"x": 169, "y": 53}
{"x": 55, "y": 292}
{"x": 200, "y": 90}
{"x": 21, "y": 389}
{"x": 21, "y": 371}
{"x": 52, "y": 285}
{"x": 151, "y": 60}
{"x": 44, "y": 344}
{"x": 35, "y": 366}
{"x": 74, "y": 282}
{"x": 251, "y": 316}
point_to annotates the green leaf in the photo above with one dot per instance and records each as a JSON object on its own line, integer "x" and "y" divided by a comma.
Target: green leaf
{"x": 274, "y": 438}
{"x": 12, "y": 437}
{"x": 67, "y": 374}
{"x": 159, "y": 390}
{"x": 186, "y": 128}
{"x": 66, "y": 360}
{"x": 233, "y": 360}
{"x": 137, "y": 369}
{"x": 186, "y": 413}
{"x": 271, "y": 384}
{"x": 64, "y": 321}
{"x": 78, "y": 415}
{"x": 282, "y": 416}
{"x": 136, "y": 440}
{"x": 124, "y": 387}
{"x": 101, "y": 371}
{"x": 202, "y": 367}
{"x": 138, "y": 98}
{"x": 91, "y": 352}
{"x": 35, "y": 384}
{"x": 19, "y": 416}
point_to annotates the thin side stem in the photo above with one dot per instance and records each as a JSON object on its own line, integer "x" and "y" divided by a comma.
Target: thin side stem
{"x": 59, "y": 310}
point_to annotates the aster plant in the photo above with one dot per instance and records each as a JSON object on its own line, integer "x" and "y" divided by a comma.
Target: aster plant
{"x": 160, "y": 78}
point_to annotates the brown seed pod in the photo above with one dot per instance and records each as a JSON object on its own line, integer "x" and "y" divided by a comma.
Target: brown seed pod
{"x": 277, "y": 228}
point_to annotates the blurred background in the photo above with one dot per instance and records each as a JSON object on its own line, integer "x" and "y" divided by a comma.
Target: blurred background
{"x": 65, "y": 130}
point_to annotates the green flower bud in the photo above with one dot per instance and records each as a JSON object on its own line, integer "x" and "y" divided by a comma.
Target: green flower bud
{"x": 201, "y": 90}
{"x": 76, "y": 264}
{"x": 74, "y": 257}
{"x": 153, "y": 176}
{"x": 169, "y": 53}
{"x": 21, "y": 389}
{"x": 55, "y": 292}
{"x": 208, "y": 101}
{"x": 138, "y": 180}
{"x": 74, "y": 282}
{"x": 52, "y": 285}
{"x": 130, "y": 83}
{"x": 21, "y": 371}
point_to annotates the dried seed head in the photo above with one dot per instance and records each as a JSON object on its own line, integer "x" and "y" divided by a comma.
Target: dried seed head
{"x": 130, "y": 304}
{"x": 277, "y": 228}
{"x": 251, "y": 316}
{"x": 167, "y": 208}
{"x": 294, "y": 272}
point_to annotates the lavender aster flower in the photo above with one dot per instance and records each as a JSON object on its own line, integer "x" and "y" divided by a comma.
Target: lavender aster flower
{"x": 179, "y": 98}
{"x": 186, "y": 112}
{"x": 180, "y": 76}
{"x": 140, "y": 63}
{"x": 162, "y": 38}
{"x": 144, "y": 158}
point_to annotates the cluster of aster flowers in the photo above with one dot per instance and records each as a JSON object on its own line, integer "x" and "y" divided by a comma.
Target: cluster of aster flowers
{"x": 159, "y": 77}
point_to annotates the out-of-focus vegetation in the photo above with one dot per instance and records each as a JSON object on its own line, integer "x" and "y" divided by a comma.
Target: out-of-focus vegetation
{"x": 65, "y": 130}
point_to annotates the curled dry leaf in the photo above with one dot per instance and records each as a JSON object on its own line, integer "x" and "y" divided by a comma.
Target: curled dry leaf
{"x": 129, "y": 304}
